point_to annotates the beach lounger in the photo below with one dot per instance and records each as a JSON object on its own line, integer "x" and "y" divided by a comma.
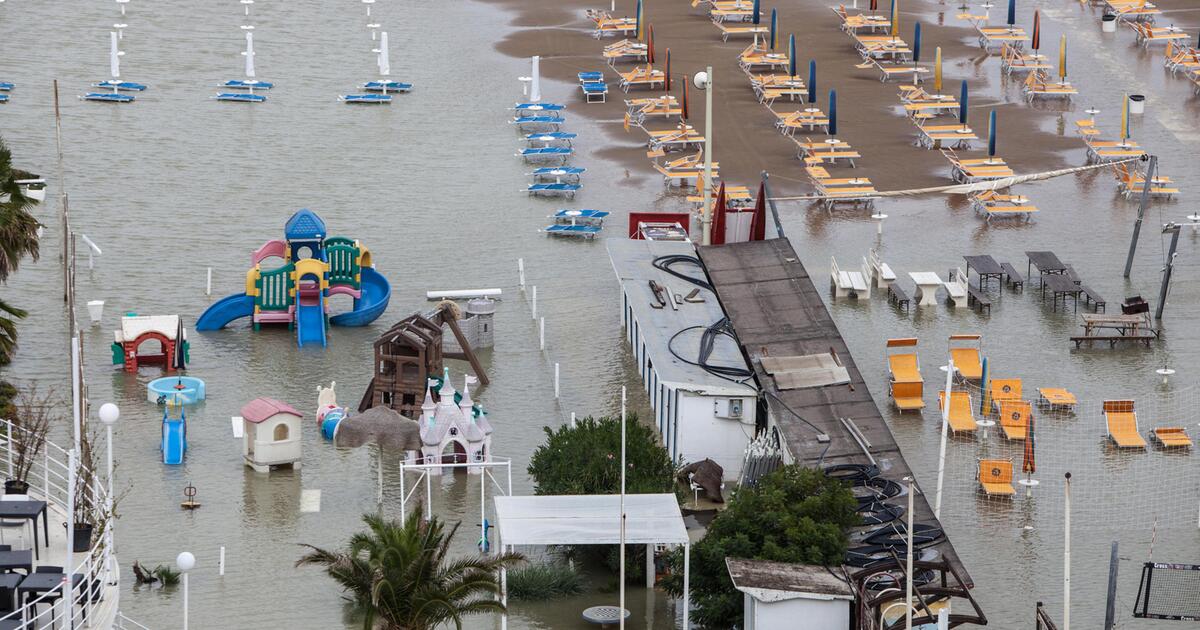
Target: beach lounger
{"x": 639, "y": 109}
{"x": 681, "y": 177}
{"x": 550, "y": 138}
{"x": 558, "y": 174}
{"x": 1112, "y": 150}
{"x": 542, "y": 154}
{"x": 992, "y": 36}
{"x": 744, "y": 14}
{"x": 1014, "y": 418}
{"x": 565, "y": 190}
{"x": 1039, "y": 85}
{"x": 675, "y": 138}
{"x": 544, "y": 121}
{"x": 852, "y": 23}
{"x": 740, "y": 30}
{"x": 642, "y": 76}
{"x": 830, "y": 195}
{"x": 1147, "y": 34}
{"x": 590, "y": 76}
{"x": 889, "y": 70}
{"x": 580, "y": 217}
{"x": 6, "y": 86}
{"x": 3, "y": 98}
{"x": 1086, "y": 127}
{"x": 994, "y": 205}
{"x": 937, "y": 136}
{"x": 625, "y": 50}
{"x": 758, "y": 55}
{"x": 965, "y": 351}
{"x": 903, "y": 360}
{"x": 1122, "y": 424}
{"x": 996, "y": 477}
{"x": 1133, "y": 10}
{"x": 789, "y": 122}
{"x": 965, "y": 171}
{"x": 907, "y": 396}
{"x": 961, "y": 419}
{"x": 608, "y": 25}
{"x": 578, "y": 231}
{"x": 1003, "y": 390}
{"x": 594, "y": 92}
{"x": 1181, "y": 57}
{"x": 1012, "y": 60}
{"x": 1131, "y": 182}
{"x": 1172, "y": 437}
{"x": 1056, "y": 398}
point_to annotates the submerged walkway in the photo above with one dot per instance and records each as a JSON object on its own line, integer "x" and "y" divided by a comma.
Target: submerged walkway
{"x": 777, "y": 312}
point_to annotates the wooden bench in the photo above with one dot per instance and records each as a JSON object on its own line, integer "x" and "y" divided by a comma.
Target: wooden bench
{"x": 1112, "y": 340}
{"x": 897, "y": 296}
{"x": 1013, "y": 277}
{"x": 978, "y": 299}
{"x": 1089, "y": 296}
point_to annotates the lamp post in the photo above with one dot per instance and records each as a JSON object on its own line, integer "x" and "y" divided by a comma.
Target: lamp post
{"x": 109, "y": 413}
{"x": 703, "y": 81}
{"x": 186, "y": 562}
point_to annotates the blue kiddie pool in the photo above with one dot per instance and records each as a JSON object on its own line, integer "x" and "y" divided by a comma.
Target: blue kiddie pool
{"x": 187, "y": 389}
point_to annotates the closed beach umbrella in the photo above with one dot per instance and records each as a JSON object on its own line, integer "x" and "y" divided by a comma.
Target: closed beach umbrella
{"x": 992, "y": 134}
{"x": 916, "y": 47}
{"x": 1028, "y": 459}
{"x": 812, "y": 80}
{"x": 755, "y": 19}
{"x": 962, "y": 104}
{"x": 983, "y": 396}
{"x": 792, "y": 55}
{"x": 1037, "y": 31}
{"x": 1125, "y": 117}
{"x": 774, "y": 27}
{"x": 895, "y": 20}
{"x": 114, "y": 59}
{"x": 758, "y": 224}
{"x": 535, "y": 83}
{"x": 638, "y": 22}
{"x": 667, "y": 73}
{"x": 179, "y": 359}
{"x": 650, "y": 43}
{"x": 1062, "y": 59}
{"x": 684, "y": 108}
{"x": 937, "y": 70}
{"x": 833, "y": 112}
{"x": 874, "y": 5}
{"x": 1012, "y": 12}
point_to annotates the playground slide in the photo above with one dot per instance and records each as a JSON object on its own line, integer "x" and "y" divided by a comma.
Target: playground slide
{"x": 310, "y": 320}
{"x": 173, "y": 443}
{"x": 376, "y": 291}
{"x": 225, "y": 310}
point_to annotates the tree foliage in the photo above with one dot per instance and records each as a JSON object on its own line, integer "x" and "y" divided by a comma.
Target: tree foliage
{"x": 18, "y": 238}
{"x": 793, "y": 515}
{"x": 586, "y": 459}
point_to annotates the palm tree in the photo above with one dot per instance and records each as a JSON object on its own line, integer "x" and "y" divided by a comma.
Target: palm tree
{"x": 399, "y": 576}
{"x": 18, "y": 238}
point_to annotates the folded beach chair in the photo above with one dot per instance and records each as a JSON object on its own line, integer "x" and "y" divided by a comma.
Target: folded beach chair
{"x": 1181, "y": 57}
{"x": 1012, "y": 59}
{"x": 1123, "y": 424}
{"x": 1003, "y": 390}
{"x": 965, "y": 351}
{"x": 1056, "y": 398}
{"x": 1131, "y": 182}
{"x": 996, "y": 477}
{"x": 642, "y": 76}
{"x": 1014, "y": 418}
{"x": 961, "y": 418}
{"x": 1171, "y": 437}
{"x": 1039, "y": 85}
{"x": 740, "y": 30}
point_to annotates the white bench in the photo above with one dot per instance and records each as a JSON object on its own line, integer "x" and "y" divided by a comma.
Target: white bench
{"x": 880, "y": 272}
{"x": 848, "y": 283}
{"x": 957, "y": 288}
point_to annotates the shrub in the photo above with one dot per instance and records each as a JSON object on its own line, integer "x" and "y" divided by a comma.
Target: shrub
{"x": 543, "y": 581}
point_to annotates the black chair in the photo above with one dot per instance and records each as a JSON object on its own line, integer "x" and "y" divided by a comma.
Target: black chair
{"x": 45, "y": 568}
{"x": 51, "y": 598}
{"x": 5, "y": 547}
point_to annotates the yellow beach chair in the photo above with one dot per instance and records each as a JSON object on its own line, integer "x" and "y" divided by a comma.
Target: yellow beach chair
{"x": 904, "y": 371}
{"x": 908, "y": 396}
{"x": 996, "y": 476}
{"x": 1003, "y": 390}
{"x": 1172, "y": 437}
{"x": 1014, "y": 418}
{"x": 1056, "y": 398}
{"x": 965, "y": 352}
{"x": 1122, "y": 424}
{"x": 960, "y": 411}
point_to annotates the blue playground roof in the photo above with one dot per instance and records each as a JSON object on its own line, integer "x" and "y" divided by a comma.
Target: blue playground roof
{"x": 305, "y": 225}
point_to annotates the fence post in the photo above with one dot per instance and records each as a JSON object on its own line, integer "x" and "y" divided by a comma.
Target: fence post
{"x": 521, "y": 273}
{"x": 8, "y": 442}
{"x": 542, "y": 333}
{"x": 45, "y": 474}
{"x": 221, "y": 563}
{"x": 556, "y": 380}
{"x": 533, "y": 308}
{"x": 208, "y": 284}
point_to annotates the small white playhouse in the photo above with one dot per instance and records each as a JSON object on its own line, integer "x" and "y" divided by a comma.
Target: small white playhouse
{"x": 461, "y": 428}
{"x": 271, "y": 435}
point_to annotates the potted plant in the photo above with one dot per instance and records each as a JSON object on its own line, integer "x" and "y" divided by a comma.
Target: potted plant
{"x": 91, "y": 515}
{"x": 30, "y": 424}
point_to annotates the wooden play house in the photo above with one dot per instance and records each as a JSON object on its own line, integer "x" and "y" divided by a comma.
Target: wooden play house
{"x": 136, "y": 330}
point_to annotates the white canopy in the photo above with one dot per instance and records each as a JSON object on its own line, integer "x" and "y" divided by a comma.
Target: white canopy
{"x": 589, "y": 520}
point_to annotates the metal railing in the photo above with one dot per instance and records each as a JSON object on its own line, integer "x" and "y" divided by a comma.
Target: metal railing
{"x": 94, "y": 600}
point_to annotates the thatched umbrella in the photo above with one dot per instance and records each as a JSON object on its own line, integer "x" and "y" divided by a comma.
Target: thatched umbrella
{"x": 385, "y": 427}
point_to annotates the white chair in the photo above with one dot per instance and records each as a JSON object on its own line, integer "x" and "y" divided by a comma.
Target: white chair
{"x": 8, "y": 522}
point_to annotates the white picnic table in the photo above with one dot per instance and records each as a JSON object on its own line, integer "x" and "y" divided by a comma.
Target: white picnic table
{"x": 927, "y": 283}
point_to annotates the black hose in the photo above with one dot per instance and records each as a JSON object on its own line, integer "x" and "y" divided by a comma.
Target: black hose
{"x": 708, "y": 341}
{"x": 664, "y": 263}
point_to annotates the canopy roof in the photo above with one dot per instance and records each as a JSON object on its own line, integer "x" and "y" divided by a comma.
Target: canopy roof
{"x": 589, "y": 519}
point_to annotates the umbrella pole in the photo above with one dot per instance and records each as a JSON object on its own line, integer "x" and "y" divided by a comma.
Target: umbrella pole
{"x": 379, "y": 475}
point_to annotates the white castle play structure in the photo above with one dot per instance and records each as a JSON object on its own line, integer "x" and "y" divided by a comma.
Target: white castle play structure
{"x": 462, "y": 427}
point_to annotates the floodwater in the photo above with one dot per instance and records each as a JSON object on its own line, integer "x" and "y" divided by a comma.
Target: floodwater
{"x": 176, "y": 183}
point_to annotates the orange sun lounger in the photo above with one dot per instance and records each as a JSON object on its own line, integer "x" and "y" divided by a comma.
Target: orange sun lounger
{"x": 1003, "y": 390}
{"x": 907, "y": 396}
{"x": 960, "y": 410}
{"x": 995, "y": 477}
{"x": 1172, "y": 437}
{"x": 964, "y": 351}
{"x": 1056, "y": 397}
{"x": 1014, "y": 418}
{"x": 1122, "y": 424}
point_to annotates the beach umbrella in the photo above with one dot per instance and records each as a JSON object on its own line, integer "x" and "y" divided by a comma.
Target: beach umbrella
{"x": 1037, "y": 31}
{"x": 1125, "y": 117}
{"x": 992, "y": 134}
{"x": 114, "y": 59}
{"x": 812, "y": 80}
{"x": 667, "y": 73}
{"x": 179, "y": 360}
{"x": 833, "y": 112}
{"x": 1062, "y": 59}
{"x": 758, "y": 223}
{"x": 983, "y": 395}
{"x": 937, "y": 70}
{"x": 755, "y": 19}
{"x": 962, "y": 104}
{"x": 535, "y": 82}
{"x": 1012, "y": 12}
{"x": 774, "y": 27}
{"x": 792, "y": 55}
{"x": 895, "y": 20}
{"x": 649, "y": 43}
{"x": 385, "y": 64}
{"x": 249, "y": 54}
{"x": 916, "y": 47}
{"x": 638, "y": 22}
{"x": 874, "y": 5}
{"x": 684, "y": 109}
{"x": 1028, "y": 460}
{"x": 718, "y": 217}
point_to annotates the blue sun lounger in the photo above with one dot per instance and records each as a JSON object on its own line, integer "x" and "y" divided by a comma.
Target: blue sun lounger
{"x": 590, "y": 77}
{"x": 566, "y": 190}
{"x": 386, "y": 86}
{"x": 3, "y": 98}
{"x": 580, "y": 231}
{"x": 568, "y": 174}
{"x": 595, "y": 92}
{"x": 107, "y": 97}
{"x": 549, "y": 120}
{"x": 551, "y": 137}
{"x": 241, "y": 97}
{"x": 6, "y": 86}
{"x": 123, "y": 86}
{"x": 366, "y": 98}
{"x": 576, "y": 217}
{"x": 247, "y": 84}
{"x": 541, "y": 154}
{"x": 539, "y": 107}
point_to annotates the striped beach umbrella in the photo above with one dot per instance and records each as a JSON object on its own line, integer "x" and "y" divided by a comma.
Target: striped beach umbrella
{"x": 1028, "y": 458}
{"x": 1037, "y": 31}
{"x": 774, "y": 27}
{"x": 962, "y": 104}
{"x": 812, "y": 80}
{"x": 937, "y": 70}
{"x": 833, "y": 112}
{"x": 1012, "y": 12}
{"x": 755, "y": 19}
{"x": 667, "y": 72}
{"x": 639, "y": 32}
{"x": 792, "y": 55}
{"x": 992, "y": 134}
{"x": 1062, "y": 59}
{"x": 916, "y": 47}
{"x": 649, "y": 43}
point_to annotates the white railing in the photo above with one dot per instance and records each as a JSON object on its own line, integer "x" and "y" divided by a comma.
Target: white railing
{"x": 94, "y": 600}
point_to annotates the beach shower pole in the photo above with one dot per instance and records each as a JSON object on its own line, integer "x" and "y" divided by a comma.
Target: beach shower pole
{"x": 621, "y": 612}
{"x": 703, "y": 81}
{"x": 1067, "y": 554}
{"x": 1173, "y": 230}
{"x": 1110, "y": 610}
{"x": 908, "y": 568}
{"x": 1151, "y": 171}
{"x": 937, "y": 499}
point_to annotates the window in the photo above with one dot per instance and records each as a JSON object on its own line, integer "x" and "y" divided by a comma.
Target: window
{"x": 281, "y": 432}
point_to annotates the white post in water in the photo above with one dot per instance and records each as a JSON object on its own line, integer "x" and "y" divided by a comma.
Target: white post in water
{"x": 937, "y": 499}
{"x": 186, "y": 562}
{"x": 76, "y": 392}
{"x": 221, "y": 562}
{"x": 109, "y": 413}
{"x": 535, "y": 87}
{"x": 542, "y": 333}
{"x": 908, "y": 569}
{"x": 1067, "y": 554}
{"x": 521, "y": 273}
{"x": 621, "y": 606}
{"x": 208, "y": 283}
{"x": 556, "y": 380}
{"x": 703, "y": 81}
{"x": 533, "y": 299}
{"x": 572, "y": 423}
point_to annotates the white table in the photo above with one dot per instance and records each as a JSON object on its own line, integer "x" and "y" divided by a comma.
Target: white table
{"x": 927, "y": 283}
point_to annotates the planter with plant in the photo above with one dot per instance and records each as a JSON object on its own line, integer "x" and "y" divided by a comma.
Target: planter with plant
{"x": 31, "y": 421}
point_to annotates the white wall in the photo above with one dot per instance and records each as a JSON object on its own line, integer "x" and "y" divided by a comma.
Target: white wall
{"x": 702, "y": 434}
{"x": 798, "y": 614}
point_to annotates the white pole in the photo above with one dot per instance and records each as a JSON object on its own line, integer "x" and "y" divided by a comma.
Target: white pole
{"x": 687, "y": 585}
{"x": 908, "y": 569}
{"x": 572, "y": 419}
{"x": 108, "y": 506}
{"x": 521, "y": 273}
{"x": 482, "y": 507}
{"x": 428, "y": 495}
{"x": 76, "y": 393}
{"x": 379, "y": 476}
{"x": 208, "y": 283}
{"x": 221, "y": 562}
{"x": 556, "y": 380}
{"x": 533, "y": 308}
{"x": 1067, "y": 554}
{"x": 706, "y": 214}
{"x": 542, "y": 333}
{"x": 69, "y": 565}
{"x": 185, "y": 600}
{"x": 937, "y": 500}
{"x": 621, "y": 612}
{"x": 9, "y": 443}
{"x": 403, "y": 492}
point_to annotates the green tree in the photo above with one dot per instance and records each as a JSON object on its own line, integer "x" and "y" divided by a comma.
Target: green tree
{"x": 18, "y": 238}
{"x": 399, "y": 576}
{"x": 793, "y": 515}
{"x": 586, "y": 459}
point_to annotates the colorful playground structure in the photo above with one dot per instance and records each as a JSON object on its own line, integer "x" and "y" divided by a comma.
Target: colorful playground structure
{"x": 315, "y": 267}
{"x": 174, "y": 433}
{"x": 136, "y": 330}
{"x": 329, "y": 413}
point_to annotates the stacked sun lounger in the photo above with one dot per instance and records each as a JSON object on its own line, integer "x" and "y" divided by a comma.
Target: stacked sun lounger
{"x": 558, "y": 174}
{"x": 593, "y": 86}
{"x": 997, "y": 205}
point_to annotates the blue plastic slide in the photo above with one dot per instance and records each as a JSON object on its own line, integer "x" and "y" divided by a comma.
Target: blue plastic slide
{"x": 310, "y": 320}
{"x": 376, "y": 291}
{"x": 174, "y": 442}
{"x": 226, "y": 310}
